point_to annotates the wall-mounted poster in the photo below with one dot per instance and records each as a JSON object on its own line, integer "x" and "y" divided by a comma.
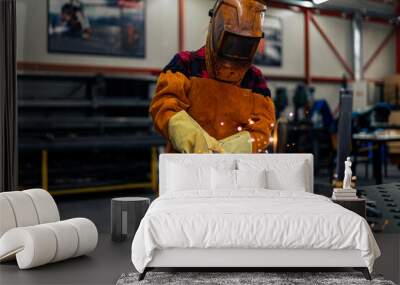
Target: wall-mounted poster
{"x": 269, "y": 52}
{"x": 103, "y": 27}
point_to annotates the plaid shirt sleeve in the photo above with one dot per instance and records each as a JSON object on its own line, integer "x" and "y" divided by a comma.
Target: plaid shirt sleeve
{"x": 179, "y": 63}
{"x": 258, "y": 84}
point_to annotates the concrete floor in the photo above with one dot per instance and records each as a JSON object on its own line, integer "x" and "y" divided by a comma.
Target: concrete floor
{"x": 103, "y": 266}
{"x": 389, "y": 263}
{"x": 110, "y": 259}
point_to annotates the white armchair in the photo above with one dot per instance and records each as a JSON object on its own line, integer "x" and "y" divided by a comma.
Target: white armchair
{"x": 31, "y": 230}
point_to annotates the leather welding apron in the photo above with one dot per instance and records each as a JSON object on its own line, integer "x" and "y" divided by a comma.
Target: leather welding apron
{"x": 221, "y": 109}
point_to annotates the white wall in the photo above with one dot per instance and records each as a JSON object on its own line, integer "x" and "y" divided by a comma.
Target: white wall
{"x": 384, "y": 64}
{"x": 196, "y": 23}
{"x": 293, "y": 44}
{"x": 161, "y": 37}
{"x": 323, "y": 61}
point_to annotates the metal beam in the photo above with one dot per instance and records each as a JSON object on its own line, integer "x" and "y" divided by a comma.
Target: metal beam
{"x": 339, "y": 10}
{"x": 79, "y": 69}
{"x": 367, "y": 8}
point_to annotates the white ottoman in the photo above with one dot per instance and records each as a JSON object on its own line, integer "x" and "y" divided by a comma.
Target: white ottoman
{"x": 31, "y": 231}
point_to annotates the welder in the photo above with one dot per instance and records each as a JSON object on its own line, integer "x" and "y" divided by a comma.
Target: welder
{"x": 214, "y": 100}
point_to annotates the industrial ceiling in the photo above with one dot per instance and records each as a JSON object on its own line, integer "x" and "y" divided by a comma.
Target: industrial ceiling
{"x": 377, "y": 8}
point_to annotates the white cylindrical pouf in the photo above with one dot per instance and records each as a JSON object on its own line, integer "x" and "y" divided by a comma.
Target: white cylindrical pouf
{"x": 7, "y": 218}
{"x": 23, "y": 208}
{"x": 33, "y": 246}
{"x": 67, "y": 240}
{"x": 126, "y": 214}
{"x": 41, "y": 244}
{"x": 45, "y": 206}
{"x": 87, "y": 235}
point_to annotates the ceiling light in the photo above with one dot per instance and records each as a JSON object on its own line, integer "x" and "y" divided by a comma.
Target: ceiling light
{"x": 307, "y": 4}
{"x": 317, "y": 2}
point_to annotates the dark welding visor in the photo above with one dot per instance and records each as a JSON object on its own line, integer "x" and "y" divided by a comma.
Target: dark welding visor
{"x": 237, "y": 46}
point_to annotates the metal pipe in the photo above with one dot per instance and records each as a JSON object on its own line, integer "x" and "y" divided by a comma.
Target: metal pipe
{"x": 358, "y": 61}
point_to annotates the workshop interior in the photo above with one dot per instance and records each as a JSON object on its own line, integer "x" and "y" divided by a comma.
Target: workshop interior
{"x": 200, "y": 142}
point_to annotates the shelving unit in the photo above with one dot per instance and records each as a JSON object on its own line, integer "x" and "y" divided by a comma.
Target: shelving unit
{"x": 86, "y": 134}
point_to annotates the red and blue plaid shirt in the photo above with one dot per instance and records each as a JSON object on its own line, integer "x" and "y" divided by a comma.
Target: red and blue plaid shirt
{"x": 194, "y": 64}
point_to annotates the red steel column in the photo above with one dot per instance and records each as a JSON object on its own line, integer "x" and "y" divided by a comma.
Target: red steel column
{"x": 398, "y": 40}
{"x": 307, "y": 58}
{"x": 181, "y": 23}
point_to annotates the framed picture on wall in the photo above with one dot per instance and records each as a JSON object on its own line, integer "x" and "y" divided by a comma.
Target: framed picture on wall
{"x": 269, "y": 51}
{"x": 101, "y": 27}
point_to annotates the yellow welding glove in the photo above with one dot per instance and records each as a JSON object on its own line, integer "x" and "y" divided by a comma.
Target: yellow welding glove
{"x": 237, "y": 143}
{"x": 187, "y": 136}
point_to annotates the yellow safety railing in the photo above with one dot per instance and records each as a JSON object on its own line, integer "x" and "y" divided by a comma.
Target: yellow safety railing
{"x": 45, "y": 170}
{"x": 153, "y": 184}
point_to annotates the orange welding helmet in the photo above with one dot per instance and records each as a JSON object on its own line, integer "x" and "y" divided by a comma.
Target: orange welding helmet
{"x": 234, "y": 33}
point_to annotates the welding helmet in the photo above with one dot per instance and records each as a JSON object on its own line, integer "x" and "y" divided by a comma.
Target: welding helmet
{"x": 234, "y": 33}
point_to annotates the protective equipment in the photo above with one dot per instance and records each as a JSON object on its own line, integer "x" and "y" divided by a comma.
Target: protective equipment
{"x": 187, "y": 136}
{"x": 218, "y": 108}
{"x": 237, "y": 143}
{"x": 234, "y": 33}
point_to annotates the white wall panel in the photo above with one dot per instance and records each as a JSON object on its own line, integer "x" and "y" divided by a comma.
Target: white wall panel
{"x": 161, "y": 37}
{"x": 385, "y": 63}
{"x": 196, "y": 23}
{"x": 323, "y": 61}
{"x": 293, "y": 43}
